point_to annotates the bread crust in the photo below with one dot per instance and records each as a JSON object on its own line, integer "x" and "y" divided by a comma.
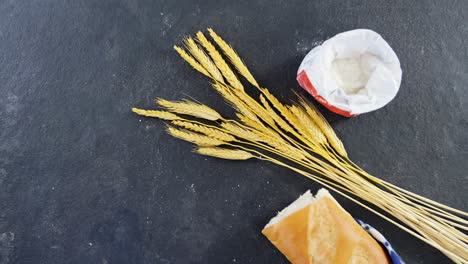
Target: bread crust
{"x": 322, "y": 232}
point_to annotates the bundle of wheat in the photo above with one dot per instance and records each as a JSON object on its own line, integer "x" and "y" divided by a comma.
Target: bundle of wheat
{"x": 298, "y": 137}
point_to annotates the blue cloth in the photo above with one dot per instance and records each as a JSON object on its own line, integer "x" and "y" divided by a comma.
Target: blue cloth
{"x": 396, "y": 259}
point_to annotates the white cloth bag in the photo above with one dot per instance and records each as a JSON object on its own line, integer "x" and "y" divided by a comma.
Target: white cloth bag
{"x": 315, "y": 72}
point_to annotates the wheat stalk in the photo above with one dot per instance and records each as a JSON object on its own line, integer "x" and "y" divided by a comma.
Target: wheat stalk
{"x": 278, "y": 120}
{"x": 203, "y": 59}
{"x": 190, "y": 108}
{"x": 155, "y": 113}
{"x": 282, "y": 146}
{"x": 269, "y": 127}
{"x": 257, "y": 125}
{"x": 322, "y": 123}
{"x": 191, "y": 61}
{"x": 241, "y": 132}
{"x": 256, "y": 108}
{"x": 223, "y": 153}
{"x": 233, "y": 57}
{"x": 204, "y": 129}
{"x": 289, "y": 117}
{"x": 224, "y": 68}
{"x": 192, "y": 137}
{"x": 235, "y": 102}
{"x": 308, "y": 127}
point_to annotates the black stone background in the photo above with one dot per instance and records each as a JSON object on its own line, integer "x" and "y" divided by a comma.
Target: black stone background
{"x": 83, "y": 180}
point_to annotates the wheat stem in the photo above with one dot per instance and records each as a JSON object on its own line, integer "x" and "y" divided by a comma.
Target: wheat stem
{"x": 410, "y": 195}
{"x": 400, "y": 209}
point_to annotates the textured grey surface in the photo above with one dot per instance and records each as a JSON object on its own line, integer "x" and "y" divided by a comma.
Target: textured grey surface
{"x": 83, "y": 180}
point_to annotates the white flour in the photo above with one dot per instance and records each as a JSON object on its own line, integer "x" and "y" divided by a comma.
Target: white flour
{"x": 352, "y": 74}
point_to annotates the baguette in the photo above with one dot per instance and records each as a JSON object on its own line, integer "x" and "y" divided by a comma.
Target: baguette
{"x": 317, "y": 230}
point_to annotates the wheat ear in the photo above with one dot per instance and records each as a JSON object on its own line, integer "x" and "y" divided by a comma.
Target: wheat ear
{"x": 240, "y": 132}
{"x": 204, "y": 129}
{"x": 223, "y": 153}
{"x": 192, "y": 137}
{"x": 232, "y": 78}
{"x": 191, "y": 61}
{"x": 323, "y": 124}
{"x": 203, "y": 59}
{"x": 235, "y": 101}
{"x": 256, "y": 108}
{"x": 154, "y": 113}
{"x": 282, "y": 146}
{"x": 233, "y": 57}
{"x": 290, "y": 122}
{"x": 258, "y": 126}
{"x": 308, "y": 127}
{"x": 283, "y": 110}
{"x": 280, "y": 121}
{"x": 190, "y": 108}
{"x": 223, "y": 67}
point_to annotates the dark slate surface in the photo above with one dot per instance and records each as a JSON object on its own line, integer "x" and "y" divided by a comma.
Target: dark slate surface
{"x": 83, "y": 180}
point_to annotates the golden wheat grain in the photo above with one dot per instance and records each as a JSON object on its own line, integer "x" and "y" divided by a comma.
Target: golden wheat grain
{"x": 233, "y": 57}
{"x": 192, "y": 137}
{"x": 308, "y": 127}
{"x": 186, "y": 107}
{"x": 232, "y": 79}
{"x": 257, "y": 125}
{"x": 203, "y": 59}
{"x": 223, "y": 67}
{"x": 240, "y": 132}
{"x": 280, "y": 121}
{"x": 228, "y": 95}
{"x": 246, "y": 111}
{"x": 154, "y": 113}
{"x": 224, "y": 91}
{"x": 289, "y": 121}
{"x": 282, "y": 146}
{"x": 190, "y": 60}
{"x": 211, "y": 132}
{"x": 256, "y": 108}
{"x": 284, "y": 110}
{"x": 234, "y": 101}
{"x": 254, "y": 124}
{"x": 223, "y": 153}
{"x": 324, "y": 126}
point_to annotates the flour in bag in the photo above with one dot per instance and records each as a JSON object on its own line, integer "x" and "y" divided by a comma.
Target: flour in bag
{"x": 352, "y": 74}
